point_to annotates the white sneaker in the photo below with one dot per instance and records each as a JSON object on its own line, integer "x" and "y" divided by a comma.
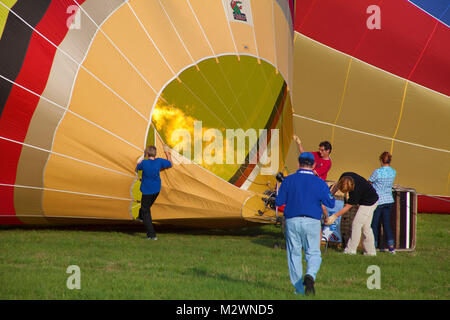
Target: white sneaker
{"x": 349, "y": 253}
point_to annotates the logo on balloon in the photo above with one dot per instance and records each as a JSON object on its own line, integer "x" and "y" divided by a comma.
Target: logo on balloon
{"x": 237, "y": 13}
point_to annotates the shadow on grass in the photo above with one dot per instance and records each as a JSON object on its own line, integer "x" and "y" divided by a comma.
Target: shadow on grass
{"x": 273, "y": 242}
{"x": 128, "y": 229}
{"x": 203, "y": 273}
{"x": 265, "y": 235}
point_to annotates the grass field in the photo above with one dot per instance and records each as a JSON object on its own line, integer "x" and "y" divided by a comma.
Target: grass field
{"x": 120, "y": 263}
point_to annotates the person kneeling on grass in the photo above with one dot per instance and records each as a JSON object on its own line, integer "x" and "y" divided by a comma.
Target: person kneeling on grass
{"x": 304, "y": 193}
{"x": 151, "y": 184}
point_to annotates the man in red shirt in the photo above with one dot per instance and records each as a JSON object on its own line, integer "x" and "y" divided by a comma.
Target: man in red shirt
{"x": 322, "y": 157}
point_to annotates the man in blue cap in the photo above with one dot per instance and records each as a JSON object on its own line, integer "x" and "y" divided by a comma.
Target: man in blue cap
{"x": 303, "y": 193}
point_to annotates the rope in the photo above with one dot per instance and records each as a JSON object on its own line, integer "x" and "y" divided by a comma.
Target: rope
{"x": 253, "y": 181}
{"x": 342, "y": 99}
{"x": 400, "y": 116}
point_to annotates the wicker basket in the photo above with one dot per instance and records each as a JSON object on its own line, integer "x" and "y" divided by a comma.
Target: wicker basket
{"x": 346, "y": 219}
{"x": 403, "y": 220}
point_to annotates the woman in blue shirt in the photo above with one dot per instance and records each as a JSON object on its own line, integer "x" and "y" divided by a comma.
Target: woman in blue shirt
{"x": 382, "y": 180}
{"x": 151, "y": 185}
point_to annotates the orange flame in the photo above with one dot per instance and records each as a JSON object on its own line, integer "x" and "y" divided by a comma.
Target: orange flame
{"x": 167, "y": 119}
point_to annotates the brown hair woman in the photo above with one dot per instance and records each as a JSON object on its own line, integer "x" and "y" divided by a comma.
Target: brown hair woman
{"x": 382, "y": 180}
{"x": 363, "y": 194}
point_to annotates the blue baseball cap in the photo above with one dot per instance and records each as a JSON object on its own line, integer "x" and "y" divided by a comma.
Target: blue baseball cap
{"x": 307, "y": 158}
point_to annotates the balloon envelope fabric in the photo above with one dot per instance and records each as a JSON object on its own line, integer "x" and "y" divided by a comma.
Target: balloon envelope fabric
{"x": 86, "y": 85}
{"x": 373, "y": 76}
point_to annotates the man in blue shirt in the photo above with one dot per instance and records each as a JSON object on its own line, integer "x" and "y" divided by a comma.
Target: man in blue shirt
{"x": 304, "y": 194}
{"x": 151, "y": 185}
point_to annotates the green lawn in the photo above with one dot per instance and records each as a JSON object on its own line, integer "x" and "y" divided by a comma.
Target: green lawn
{"x": 120, "y": 263}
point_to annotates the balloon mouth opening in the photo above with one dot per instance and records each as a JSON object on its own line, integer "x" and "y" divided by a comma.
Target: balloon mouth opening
{"x": 216, "y": 116}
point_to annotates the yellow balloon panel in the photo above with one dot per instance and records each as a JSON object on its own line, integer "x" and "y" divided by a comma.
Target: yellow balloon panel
{"x": 87, "y": 179}
{"x": 94, "y": 102}
{"x": 106, "y": 63}
{"x": 91, "y": 144}
{"x": 60, "y": 204}
{"x": 135, "y": 42}
{"x": 364, "y": 111}
{"x": 160, "y": 30}
{"x": 371, "y": 100}
{"x": 319, "y": 79}
{"x": 244, "y": 38}
{"x": 283, "y": 43}
{"x": 357, "y": 152}
{"x": 425, "y": 170}
{"x": 214, "y": 23}
{"x": 183, "y": 20}
{"x": 264, "y": 31}
{"x": 425, "y": 118}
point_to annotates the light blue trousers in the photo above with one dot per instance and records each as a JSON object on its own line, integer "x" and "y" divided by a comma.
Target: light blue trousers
{"x": 302, "y": 233}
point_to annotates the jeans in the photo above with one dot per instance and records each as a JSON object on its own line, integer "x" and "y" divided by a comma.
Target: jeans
{"x": 382, "y": 217}
{"x": 145, "y": 213}
{"x": 338, "y": 205}
{"x": 332, "y": 233}
{"x": 303, "y": 233}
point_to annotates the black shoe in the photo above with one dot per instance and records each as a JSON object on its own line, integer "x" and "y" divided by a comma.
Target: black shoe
{"x": 309, "y": 285}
